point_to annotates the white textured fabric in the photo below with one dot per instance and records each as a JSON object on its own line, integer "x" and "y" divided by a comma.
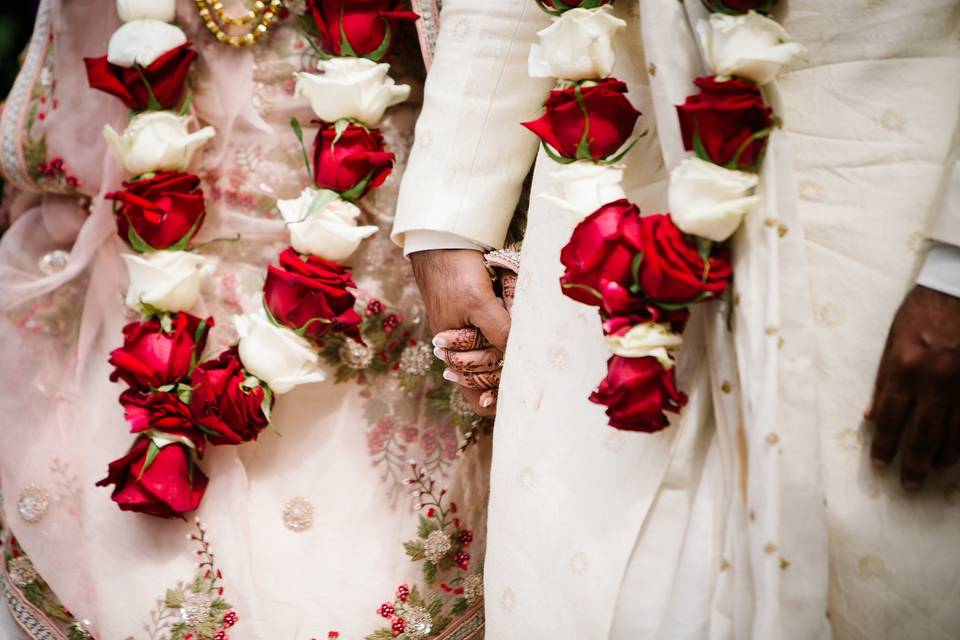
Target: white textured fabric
{"x": 723, "y": 525}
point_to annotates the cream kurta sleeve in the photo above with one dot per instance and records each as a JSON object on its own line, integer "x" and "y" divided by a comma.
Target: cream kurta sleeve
{"x": 945, "y": 223}
{"x": 471, "y": 154}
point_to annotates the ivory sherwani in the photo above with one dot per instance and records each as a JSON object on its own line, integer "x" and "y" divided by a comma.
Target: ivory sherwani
{"x": 721, "y": 526}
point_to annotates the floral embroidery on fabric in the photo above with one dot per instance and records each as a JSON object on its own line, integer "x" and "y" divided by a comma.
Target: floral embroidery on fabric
{"x": 199, "y": 608}
{"x": 442, "y": 546}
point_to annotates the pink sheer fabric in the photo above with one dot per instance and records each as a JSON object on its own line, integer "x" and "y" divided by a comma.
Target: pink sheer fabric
{"x": 332, "y": 443}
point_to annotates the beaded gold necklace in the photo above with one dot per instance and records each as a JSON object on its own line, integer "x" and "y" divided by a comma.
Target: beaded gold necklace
{"x": 258, "y": 21}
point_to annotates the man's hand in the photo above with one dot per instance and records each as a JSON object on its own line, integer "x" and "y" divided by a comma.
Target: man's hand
{"x": 458, "y": 294}
{"x": 916, "y": 402}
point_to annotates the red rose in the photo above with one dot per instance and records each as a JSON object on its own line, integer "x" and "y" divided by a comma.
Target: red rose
{"x": 636, "y": 393}
{"x": 720, "y": 122}
{"x": 601, "y": 249}
{"x": 359, "y": 28}
{"x": 161, "y": 212}
{"x": 161, "y": 411}
{"x": 556, "y": 7}
{"x": 606, "y": 111}
{"x": 160, "y": 481}
{"x": 224, "y": 407}
{"x": 672, "y": 269}
{"x": 639, "y": 311}
{"x": 352, "y": 164}
{"x": 152, "y": 357}
{"x": 166, "y": 77}
{"x": 310, "y": 295}
{"x": 736, "y": 7}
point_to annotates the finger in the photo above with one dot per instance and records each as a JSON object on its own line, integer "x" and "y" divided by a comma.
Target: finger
{"x": 475, "y": 398}
{"x": 473, "y": 361}
{"x": 493, "y": 321}
{"x": 893, "y": 408}
{"x": 488, "y": 399}
{"x": 467, "y": 339}
{"x": 949, "y": 453}
{"x": 508, "y": 286}
{"x": 882, "y": 371}
{"x": 481, "y": 380}
{"x": 921, "y": 439}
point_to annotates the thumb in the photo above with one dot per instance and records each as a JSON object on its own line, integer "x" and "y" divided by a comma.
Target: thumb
{"x": 493, "y": 321}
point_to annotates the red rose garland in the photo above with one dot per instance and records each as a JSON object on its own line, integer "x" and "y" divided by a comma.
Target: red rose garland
{"x": 643, "y": 272}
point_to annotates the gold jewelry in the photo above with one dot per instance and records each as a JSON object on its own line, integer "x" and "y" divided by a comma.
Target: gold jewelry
{"x": 213, "y": 14}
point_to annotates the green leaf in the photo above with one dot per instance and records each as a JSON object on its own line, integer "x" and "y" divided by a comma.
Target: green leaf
{"x": 345, "y": 48}
{"x": 166, "y": 322}
{"x": 298, "y": 131}
{"x": 429, "y": 573}
{"x": 267, "y": 405}
{"x": 377, "y": 54}
{"x": 426, "y": 527}
{"x": 152, "y": 103}
{"x": 173, "y": 598}
{"x": 704, "y": 247}
{"x": 185, "y": 393}
{"x": 152, "y": 452}
{"x": 584, "y": 287}
{"x": 459, "y": 606}
{"x": 434, "y": 605}
{"x": 182, "y": 243}
{"x": 137, "y": 243}
{"x": 414, "y": 549}
{"x": 187, "y": 103}
{"x": 635, "y": 268}
{"x": 699, "y": 149}
{"x": 339, "y": 127}
{"x": 556, "y": 157}
{"x": 380, "y": 634}
{"x": 356, "y": 192}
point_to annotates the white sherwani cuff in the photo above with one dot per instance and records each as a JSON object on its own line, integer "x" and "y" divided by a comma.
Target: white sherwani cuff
{"x": 429, "y": 240}
{"x": 941, "y": 269}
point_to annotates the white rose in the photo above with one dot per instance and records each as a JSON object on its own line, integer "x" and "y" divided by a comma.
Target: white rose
{"x": 354, "y": 88}
{"x": 143, "y": 41}
{"x": 165, "y": 280}
{"x": 323, "y": 225}
{"x": 750, "y": 46}
{"x": 130, "y": 10}
{"x": 156, "y": 141}
{"x": 276, "y": 355}
{"x": 577, "y": 46}
{"x": 584, "y": 187}
{"x": 646, "y": 340}
{"x": 710, "y": 201}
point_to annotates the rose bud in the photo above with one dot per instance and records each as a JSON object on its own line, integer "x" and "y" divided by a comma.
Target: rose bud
{"x": 602, "y": 249}
{"x": 673, "y": 270}
{"x": 605, "y": 109}
{"x": 166, "y": 77}
{"x": 352, "y": 164}
{"x": 227, "y": 407}
{"x": 162, "y": 212}
{"x": 556, "y": 7}
{"x": 359, "y": 28}
{"x": 311, "y": 296}
{"x": 735, "y": 7}
{"x": 637, "y": 392}
{"x": 162, "y": 481}
{"x": 161, "y": 411}
{"x": 727, "y": 123}
{"x": 153, "y": 356}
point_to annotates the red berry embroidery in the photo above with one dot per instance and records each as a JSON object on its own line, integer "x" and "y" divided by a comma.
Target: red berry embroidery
{"x": 386, "y": 610}
{"x": 403, "y": 592}
{"x": 230, "y": 618}
{"x": 398, "y": 626}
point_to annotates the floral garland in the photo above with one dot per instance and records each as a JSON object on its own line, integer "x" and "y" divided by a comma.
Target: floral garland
{"x": 175, "y": 403}
{"x": 644, "y": 272}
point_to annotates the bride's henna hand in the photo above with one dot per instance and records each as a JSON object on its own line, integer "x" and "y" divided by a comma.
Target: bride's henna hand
{"x": 468, "y": 339}
{"x": 473, "y": 361}
{"x": 483, "y": 380}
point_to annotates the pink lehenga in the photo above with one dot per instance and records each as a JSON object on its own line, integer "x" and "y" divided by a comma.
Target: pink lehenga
{"x": 311, "y": 528}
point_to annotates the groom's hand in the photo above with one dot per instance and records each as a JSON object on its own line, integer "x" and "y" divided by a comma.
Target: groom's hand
{"x": 458, "y": 292}
{"x": 916, "y": 403}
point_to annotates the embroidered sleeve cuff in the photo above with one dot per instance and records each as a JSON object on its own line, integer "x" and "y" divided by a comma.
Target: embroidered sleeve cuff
{"x": 941, "y": 269}
{"x": 427, "y": 240}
